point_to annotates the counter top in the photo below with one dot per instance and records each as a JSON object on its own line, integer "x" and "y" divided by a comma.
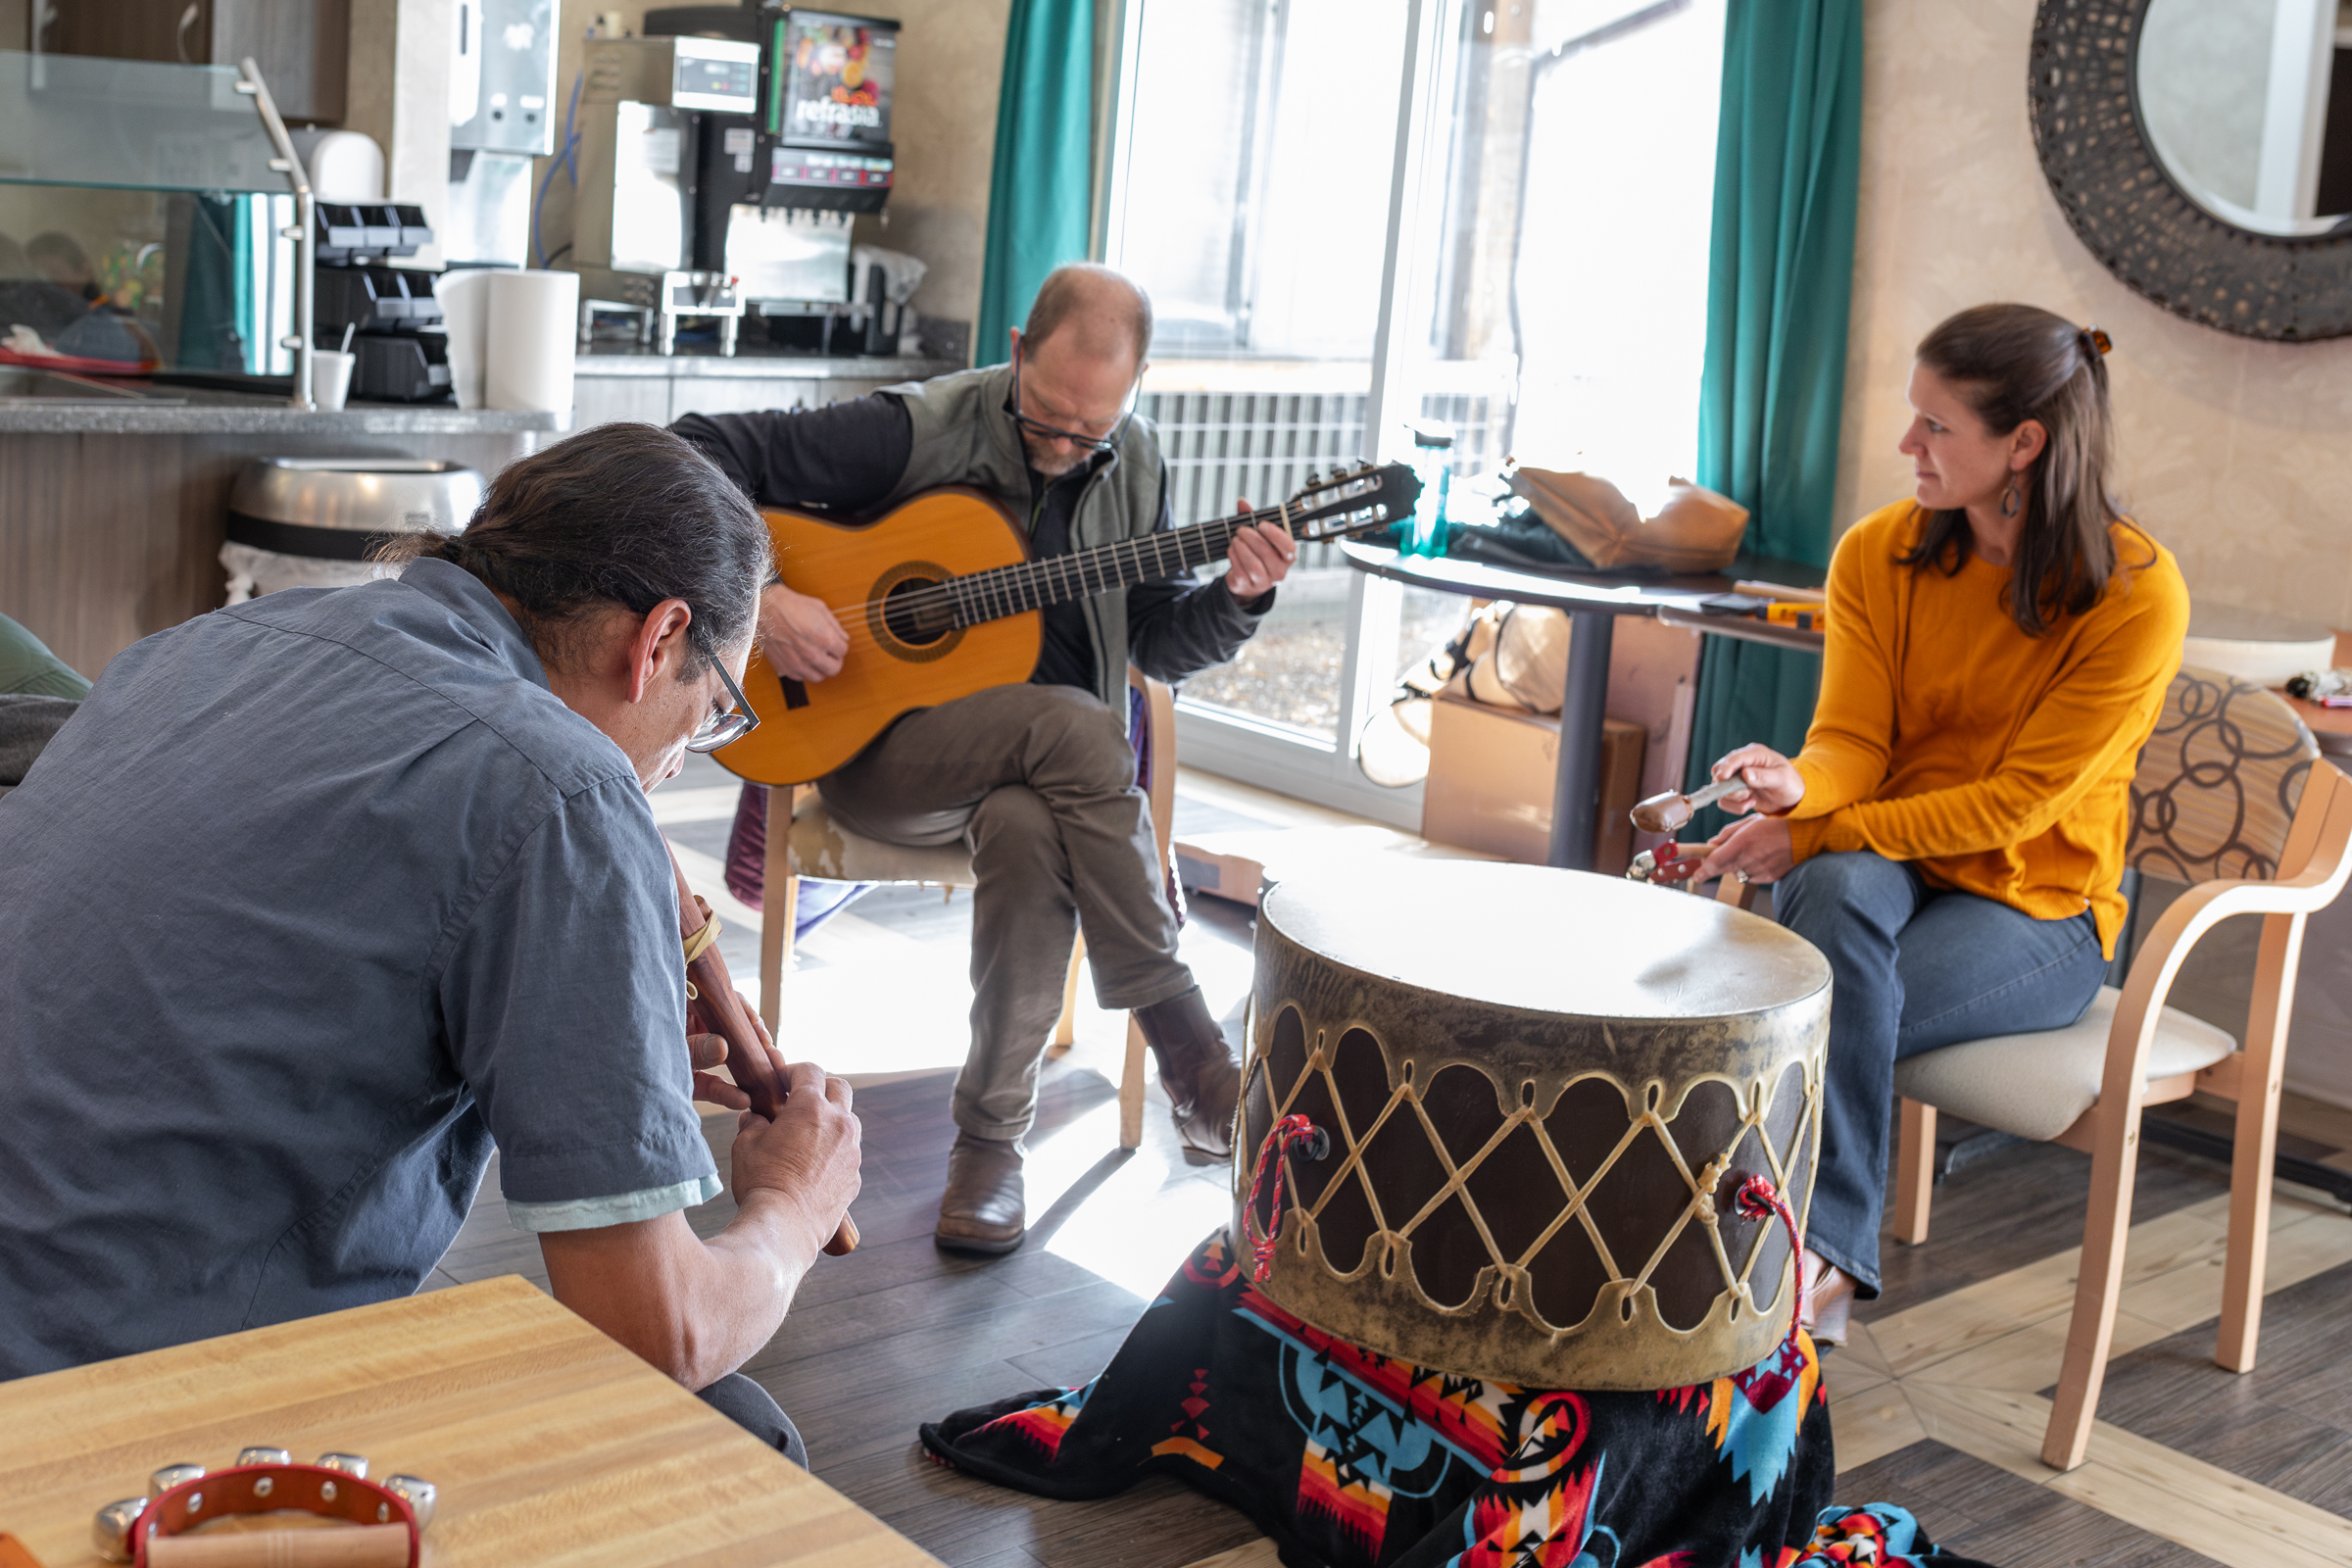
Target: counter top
{"x": 764, "y": 366}
{"x": 196, "y": 412}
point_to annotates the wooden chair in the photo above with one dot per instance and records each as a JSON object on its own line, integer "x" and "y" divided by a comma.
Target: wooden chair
{"x": 2229, "y": 795}
{"x": 820, "y": 845}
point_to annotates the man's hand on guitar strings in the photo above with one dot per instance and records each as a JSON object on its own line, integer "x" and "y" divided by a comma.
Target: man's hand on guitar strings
{"x": 801, "y": 638}
{"x": 1261, "y": 556}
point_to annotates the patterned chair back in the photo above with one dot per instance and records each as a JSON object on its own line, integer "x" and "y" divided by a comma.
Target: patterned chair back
{"x": 2218, "y": 781}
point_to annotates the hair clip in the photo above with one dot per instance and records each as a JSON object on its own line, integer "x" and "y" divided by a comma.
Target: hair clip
{"x": 2097, "y": 338}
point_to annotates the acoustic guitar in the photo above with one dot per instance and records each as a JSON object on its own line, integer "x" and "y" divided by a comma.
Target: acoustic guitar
{"x": 940, "y": 599}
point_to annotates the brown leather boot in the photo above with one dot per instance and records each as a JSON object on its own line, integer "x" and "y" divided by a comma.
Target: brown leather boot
{"x": 981, "y": 1211}
{"x": 1197, "y": 1069}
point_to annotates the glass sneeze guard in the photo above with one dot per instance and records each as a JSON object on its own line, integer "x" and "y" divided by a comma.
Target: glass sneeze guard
{"x": 138, "y": 125}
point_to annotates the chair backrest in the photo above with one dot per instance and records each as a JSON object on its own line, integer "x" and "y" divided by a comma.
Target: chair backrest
{"x": 2218, "y": 782}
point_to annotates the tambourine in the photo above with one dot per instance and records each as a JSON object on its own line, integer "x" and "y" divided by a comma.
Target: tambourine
{"x": 149, "y": 1530}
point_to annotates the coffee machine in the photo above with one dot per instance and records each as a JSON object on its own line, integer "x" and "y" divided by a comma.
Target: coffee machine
{"x": 502, "y": 112}
{"x": 722, "y": 163}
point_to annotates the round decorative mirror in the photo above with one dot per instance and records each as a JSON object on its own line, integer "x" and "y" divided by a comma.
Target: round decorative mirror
{"x": 2202, "y": 149}
{"x": 2246, "y": 112}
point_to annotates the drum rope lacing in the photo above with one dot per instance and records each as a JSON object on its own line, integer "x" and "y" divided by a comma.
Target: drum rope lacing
{"x": 1759, "y": 1199}
{"x": 1292, "y": 1132}
{"x": 1404, "y": 1099}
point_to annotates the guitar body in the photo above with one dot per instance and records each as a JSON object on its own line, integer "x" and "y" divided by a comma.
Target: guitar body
{"x": 875, "y": 576}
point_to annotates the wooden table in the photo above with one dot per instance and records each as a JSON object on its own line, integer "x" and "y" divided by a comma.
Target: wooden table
{"x": 550, "y": 1443}
{"x": 2331, "y": 726}
{"x": 1593, "y": 601}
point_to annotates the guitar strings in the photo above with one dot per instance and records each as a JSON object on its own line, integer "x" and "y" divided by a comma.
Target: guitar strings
{"x": 1021, "y": 576}
{"x": 1012, "y": 585}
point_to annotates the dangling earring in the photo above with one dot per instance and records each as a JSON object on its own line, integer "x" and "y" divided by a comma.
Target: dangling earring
{"x": 2011, "y": 495}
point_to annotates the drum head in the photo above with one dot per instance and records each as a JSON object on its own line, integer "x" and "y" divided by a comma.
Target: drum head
{"x": 1532, "y": 938}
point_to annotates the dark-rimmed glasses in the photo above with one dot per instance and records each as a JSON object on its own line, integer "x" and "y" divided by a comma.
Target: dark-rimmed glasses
{"x": 727, "y": 725}
{"x": 1053, "y": 432}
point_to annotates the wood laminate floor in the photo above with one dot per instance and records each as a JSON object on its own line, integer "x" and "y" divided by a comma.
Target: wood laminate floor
{"x": 1939, "y": 1402}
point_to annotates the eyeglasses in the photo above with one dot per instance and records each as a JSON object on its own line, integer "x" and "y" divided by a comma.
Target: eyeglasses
{"x": 1053, "y": 432}
{"x": 727, "y": 725}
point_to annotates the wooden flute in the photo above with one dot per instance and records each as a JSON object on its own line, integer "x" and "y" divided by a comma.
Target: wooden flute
{"x": 714, "y": 1008}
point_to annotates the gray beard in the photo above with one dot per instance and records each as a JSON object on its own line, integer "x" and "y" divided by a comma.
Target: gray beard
{"x": 1047, "y": 464}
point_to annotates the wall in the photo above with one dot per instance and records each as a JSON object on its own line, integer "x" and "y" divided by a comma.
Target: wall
{"x": 944, "y": 121}
{"x": 399, "y": 94}
{"x": 2233, "y": 452}
{"x": 951, "y": 57}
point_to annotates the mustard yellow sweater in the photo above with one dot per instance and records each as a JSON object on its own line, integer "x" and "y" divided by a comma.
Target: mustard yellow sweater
{"x": 2000, "y": 763}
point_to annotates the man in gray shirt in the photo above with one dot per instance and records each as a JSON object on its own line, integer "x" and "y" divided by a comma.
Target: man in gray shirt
{"x": 321, "y": 898}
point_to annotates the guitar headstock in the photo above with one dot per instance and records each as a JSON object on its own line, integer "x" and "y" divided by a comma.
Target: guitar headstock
{"x": 1348, "y": 502}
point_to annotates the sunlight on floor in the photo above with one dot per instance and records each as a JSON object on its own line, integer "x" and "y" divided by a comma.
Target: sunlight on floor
{"x": 832, "y": 1008}
{"x": 1129, "y": 1218}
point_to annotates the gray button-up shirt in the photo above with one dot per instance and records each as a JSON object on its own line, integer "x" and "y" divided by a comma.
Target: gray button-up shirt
{"x": 316, "y": 899}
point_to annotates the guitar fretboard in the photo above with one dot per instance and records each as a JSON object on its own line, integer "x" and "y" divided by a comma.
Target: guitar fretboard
{"x": 1060, "y": 579}
{"x": 1057, "y": 579}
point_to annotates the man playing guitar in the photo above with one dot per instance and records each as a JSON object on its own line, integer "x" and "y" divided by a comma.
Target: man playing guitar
{"x": 1039, "y": 778}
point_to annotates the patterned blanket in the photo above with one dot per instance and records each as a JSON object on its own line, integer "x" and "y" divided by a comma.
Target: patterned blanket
{"x": 1348, "y": 1458}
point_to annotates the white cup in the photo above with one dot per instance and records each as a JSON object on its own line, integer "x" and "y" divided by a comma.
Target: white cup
{"x": 533, "y": 337}
{"x": 464, "y": 296}
{"x": 330, "y": 378}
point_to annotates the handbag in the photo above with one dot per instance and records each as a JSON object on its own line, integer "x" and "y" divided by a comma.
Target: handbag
{"x": 1696, "y": 530}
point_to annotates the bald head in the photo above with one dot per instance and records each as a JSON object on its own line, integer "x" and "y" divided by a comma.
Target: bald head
{"x": 1099, "y": 314}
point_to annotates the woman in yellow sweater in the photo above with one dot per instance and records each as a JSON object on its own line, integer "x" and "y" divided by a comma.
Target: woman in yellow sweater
{"x": 1953, "y": 834}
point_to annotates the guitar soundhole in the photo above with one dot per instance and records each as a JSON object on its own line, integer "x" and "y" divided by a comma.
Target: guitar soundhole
{"x": 918, "y": 612}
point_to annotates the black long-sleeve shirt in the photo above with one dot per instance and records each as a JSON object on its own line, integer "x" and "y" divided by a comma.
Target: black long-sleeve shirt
{"x": 848, "y": 456}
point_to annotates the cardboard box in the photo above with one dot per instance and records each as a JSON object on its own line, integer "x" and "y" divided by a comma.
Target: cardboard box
{"x": 1490, "y": 779}
{"x": 1239, "y": 866}
{"x": 1653, "y": 681}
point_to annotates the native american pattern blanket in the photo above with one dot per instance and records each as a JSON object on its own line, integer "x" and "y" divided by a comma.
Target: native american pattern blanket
{"x": 1347, "y": 1457}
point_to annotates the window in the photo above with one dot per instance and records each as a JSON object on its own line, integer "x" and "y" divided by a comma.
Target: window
{"x": 1532, "y": 182}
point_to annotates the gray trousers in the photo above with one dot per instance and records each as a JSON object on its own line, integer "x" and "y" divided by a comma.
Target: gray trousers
{"x": 1040, "y": 782}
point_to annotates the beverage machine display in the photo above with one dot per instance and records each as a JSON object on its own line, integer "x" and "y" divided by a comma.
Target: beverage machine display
{"x": 724, "y": 157}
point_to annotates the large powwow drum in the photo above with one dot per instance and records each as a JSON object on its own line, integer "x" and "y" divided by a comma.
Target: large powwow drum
{"x": 1542, "y": 1091}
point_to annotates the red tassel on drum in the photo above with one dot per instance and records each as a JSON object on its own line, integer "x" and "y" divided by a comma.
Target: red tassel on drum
{"x": 1760, "y": 1199}
{"x": 1293, "y": 1130}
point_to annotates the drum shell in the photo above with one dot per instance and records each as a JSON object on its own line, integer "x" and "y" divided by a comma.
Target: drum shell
{"x": 1703, "y": 1078}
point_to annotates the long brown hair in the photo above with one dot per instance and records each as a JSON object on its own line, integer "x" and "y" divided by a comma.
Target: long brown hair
{"x": 2014, "y": 362}
{"x": 620, "y": 513}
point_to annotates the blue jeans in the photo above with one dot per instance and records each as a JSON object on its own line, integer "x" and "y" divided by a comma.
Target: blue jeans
{"x": 1914, "y": 967}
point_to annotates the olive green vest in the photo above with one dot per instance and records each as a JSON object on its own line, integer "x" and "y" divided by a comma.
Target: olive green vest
{"x": 963, "y": 436}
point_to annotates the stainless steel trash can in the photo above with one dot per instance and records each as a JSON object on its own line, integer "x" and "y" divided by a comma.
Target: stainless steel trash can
{"x": 314, "y": 522}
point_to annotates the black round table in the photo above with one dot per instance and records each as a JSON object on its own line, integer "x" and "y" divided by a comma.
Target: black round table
{"x": 1594, "y": 602}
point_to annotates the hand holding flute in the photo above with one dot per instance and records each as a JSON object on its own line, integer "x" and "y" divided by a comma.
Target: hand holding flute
{"x": 714, "y": 1011}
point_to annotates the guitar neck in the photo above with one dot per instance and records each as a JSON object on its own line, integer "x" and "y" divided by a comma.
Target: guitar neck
{"x": 1060, "y": 579}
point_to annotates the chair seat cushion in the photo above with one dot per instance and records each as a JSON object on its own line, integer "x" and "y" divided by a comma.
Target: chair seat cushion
{"x": 2037, "y": 1085}
{"x": 821, "y": 847}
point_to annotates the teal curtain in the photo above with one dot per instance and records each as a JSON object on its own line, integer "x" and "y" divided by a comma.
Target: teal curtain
{"x": 1788, "y": 164}
{"x": 1040, "y": 186}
